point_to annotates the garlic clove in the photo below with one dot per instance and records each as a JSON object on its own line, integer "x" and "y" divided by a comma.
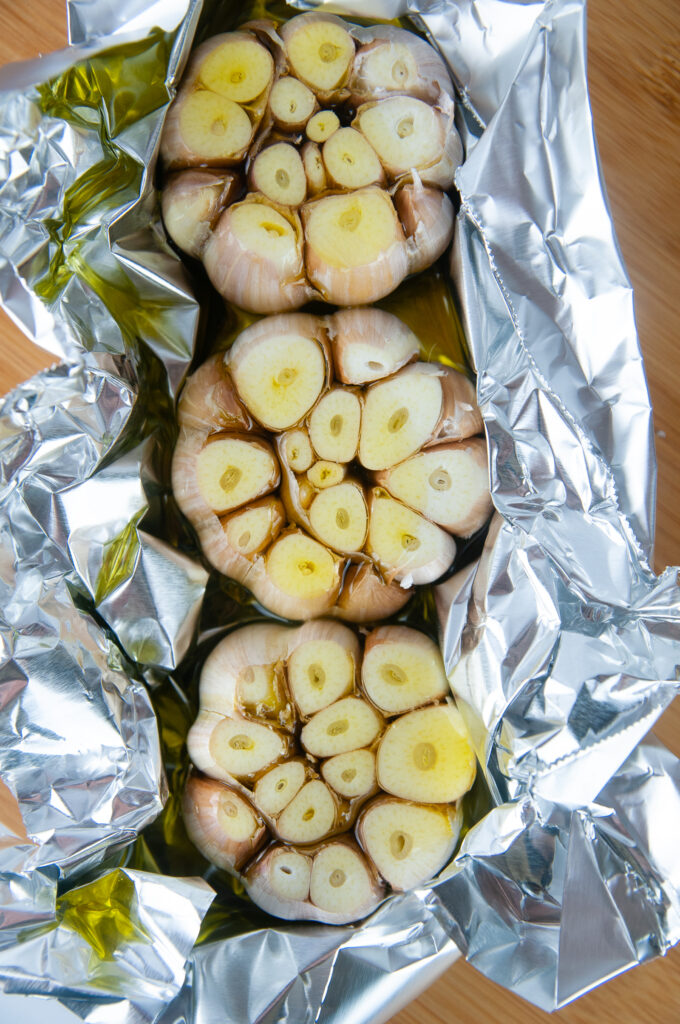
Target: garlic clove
{"x": 426, "y": 756}
{"x": 355, "y": 249}
{"x": 449, "y": 484}
{"x": 300, "y": 578}
{"x": 296, "y": 450}
{"x": 338, "y": 516}
{"x": 348, "y": 724}
{"x": 367, "y": 597}
{"x": 234, "y": 749}
{"x": 405, "y": 545}
{"x": 321, "y": 666}
{"x": 351, "y": 775}
{"x": 461, "y": 417}
{"x": 254, "y": 257}
{"x": 320, "y": 50}
{"x": 278, "y": 883}
{"x": 342, "y": 884}
{"x": 350, "y": 161}
{"x": 221, "y": 823}
{"x": 209, "y": 401}
{"x": 402, "y": 669}
{"x": 322, "y": 125}
{"x": 427, "y": 217}
{"x": 279, "y": 367}
{"x": 191, "y": 201}
{"x": 408, "y": 843}
{"x": 325, "y": 474}
{"x": 205, "y": 129}
{"x": 391, "y": 60}
{"x": 335, "y": 424}
{"x": 315, "y": 172}
{"x": 276, "y": 788}
{"x": 233, "y": 469}
{"x": 225, "y": 676}
{"x": 369, "y": 344}
{"x": 278, "y": 173}
{"x": 291, "y": 104}
{"x": 251, "y": 530}
{"x": 310, "y": 816}
{"x": 408, "y": 135}
{"x": 400, "y": 415}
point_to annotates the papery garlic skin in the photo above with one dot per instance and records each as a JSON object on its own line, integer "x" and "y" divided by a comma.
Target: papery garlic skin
{"x": 191, "y": 202}
{"x": 293, "y": 143}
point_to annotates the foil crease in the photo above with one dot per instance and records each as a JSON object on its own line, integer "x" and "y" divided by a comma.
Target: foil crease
{"x": 561, "y": 642}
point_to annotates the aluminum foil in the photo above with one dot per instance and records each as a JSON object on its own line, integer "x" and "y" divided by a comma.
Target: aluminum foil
{"x": 560, "y": 642}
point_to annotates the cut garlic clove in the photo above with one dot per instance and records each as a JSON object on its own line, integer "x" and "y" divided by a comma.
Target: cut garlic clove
{"x": 400, "y": 415}
{"x": 347, "y": 725}
{"x": 277, "y": 787}
{"x": 427, "y": 217}
{"x": 204, "y": 129}
{"x": 310, "y": 816}
{"x": 250, "y": 531}
{"x": 315, "y": 171}
{"x": 342, "y": 884}
{"x": 291, "y": 104}
{"x": 350, "y": 161}
{"x": 404, "y": 544}
{"x": 339, "y": 517}
{"x": 278, "y": 883}
{"x": 335, "y": 424}
{"x": 426, "y": 756}
{"x": 296, "y": 450}
{"x": 355, "y": 248}
{"x": 191, "y": 202}
{"x": 233, "y": 65}
{"x": 449, "y": 484}
{"x": 402, "y": 669}
{"x": 408, "y": 843}
{"x": 221, "y": 823}
{"x": 230, "y": 663}
{"x": 369, "y": 344}
{"x": 234, "y": 469}
{"x": 406, "y": 133}
{"x": 321, "y": 666}
{"x": 320, "y": 127}
{"x": 209, "y": 401}
{"x": 234, "y": 748}
{"x": 326, "y": 474}
{"x": 366, "y": 597}
{"x": 320, "y": 51}
{"x": 390, "y": 59}
{"x": 301, "y": 577}
{"x": 351, "y": 775}
{"x": 278, "y": 173}
{"x": 254, "y": 257}
{"x": 279, "y": 367}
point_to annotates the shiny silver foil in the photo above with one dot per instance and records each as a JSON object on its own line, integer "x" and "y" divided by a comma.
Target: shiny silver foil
{"x": 561, "y": 643}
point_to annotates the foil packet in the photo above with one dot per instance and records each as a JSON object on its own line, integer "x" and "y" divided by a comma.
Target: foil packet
{"x": 560, "y": 641}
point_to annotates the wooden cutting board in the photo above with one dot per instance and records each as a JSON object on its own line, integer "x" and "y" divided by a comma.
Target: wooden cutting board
{"x": 634, "y": 69}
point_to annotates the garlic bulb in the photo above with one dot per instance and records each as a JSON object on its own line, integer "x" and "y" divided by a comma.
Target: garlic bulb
{"x": 292, "y": 736}
{"x": 318, "y": 219}
{"x": 326, "y": 498}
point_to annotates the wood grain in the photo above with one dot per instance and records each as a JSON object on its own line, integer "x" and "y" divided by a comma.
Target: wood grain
{"x": 634, "y": 76}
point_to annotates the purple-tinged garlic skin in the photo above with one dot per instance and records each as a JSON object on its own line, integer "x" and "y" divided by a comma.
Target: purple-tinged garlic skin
{"x": 221, "y": 823}
{"x": 428, "y": 218}
{"x": 266, "y": 275}
{"x": 191, "y": 202}
{"x": 368, "y": 348}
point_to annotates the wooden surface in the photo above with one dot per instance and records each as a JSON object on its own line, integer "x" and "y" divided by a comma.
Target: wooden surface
{"x": 634, "y": 54}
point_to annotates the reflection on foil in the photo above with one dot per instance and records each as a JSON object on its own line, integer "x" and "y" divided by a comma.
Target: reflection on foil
{"x": 560, "y": 642}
